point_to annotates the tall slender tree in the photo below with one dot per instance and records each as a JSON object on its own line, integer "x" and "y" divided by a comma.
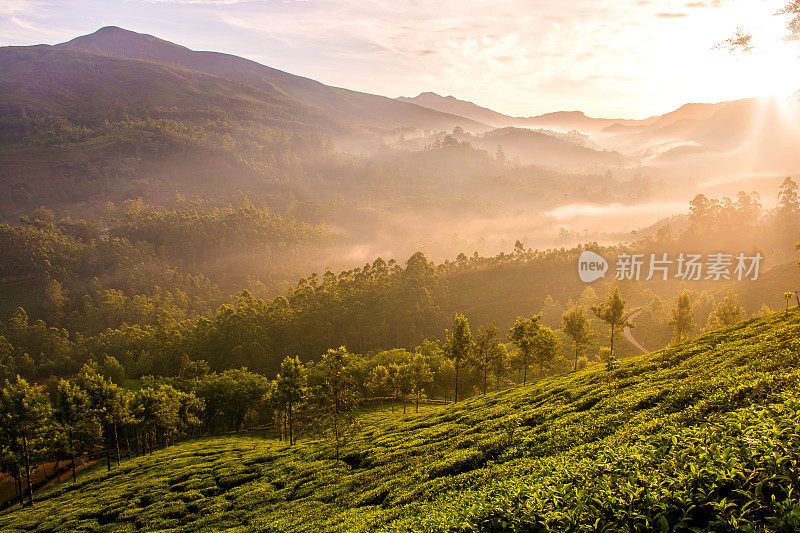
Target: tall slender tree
{"x": 577, "y": 327}
{"x": 70, "y": 412}
{"x": 682, "y": 320}
{"x": 458, "y": 347}
{"x": 291, "y": 382}
{"x": 421, "y": 375}
{"x": 379, "y": 382}
{"x": 487, "y": 352}
{"x": 524, "y": 334}
{"x": 612, "y": 312}
{"x": 24, "y": 412}
{"x": 334, "y": 392}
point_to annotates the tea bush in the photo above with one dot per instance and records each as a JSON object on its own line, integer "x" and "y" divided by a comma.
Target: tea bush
{"x": 702, "y": 436}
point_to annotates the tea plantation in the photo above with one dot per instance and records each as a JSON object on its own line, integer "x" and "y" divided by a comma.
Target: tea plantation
{"x": 701, "y": 436}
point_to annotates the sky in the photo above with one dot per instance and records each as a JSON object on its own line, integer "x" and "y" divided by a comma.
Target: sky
{"x": 617, "y": 59}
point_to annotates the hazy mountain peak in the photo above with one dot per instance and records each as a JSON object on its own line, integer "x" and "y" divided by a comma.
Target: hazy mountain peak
{"x": 429, "y": 94}
{"x": 116, "y": 41}
{"x": 451, "y": 104}
{"x": 293, "y": 96}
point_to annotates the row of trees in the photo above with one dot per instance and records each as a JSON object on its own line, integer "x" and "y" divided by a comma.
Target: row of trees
{"x": 89, "y": 414}
{"x": 93, "y": 413}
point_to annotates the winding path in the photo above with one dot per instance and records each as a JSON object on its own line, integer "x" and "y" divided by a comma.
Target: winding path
{"x": 627, "y": 332}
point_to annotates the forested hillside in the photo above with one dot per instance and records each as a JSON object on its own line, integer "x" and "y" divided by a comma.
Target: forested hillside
{"x": 699, "y": 436}
{"x": 150, "y": 285}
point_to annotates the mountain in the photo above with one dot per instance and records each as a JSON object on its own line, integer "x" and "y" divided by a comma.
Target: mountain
{"x": 452, "y": 105}
{"x": 85, "y": 87}
{"x": 342, "y": 104}
{"x": 560, "y": 120}
{"x": 750, "y": 135}
{"x": 117, "y": 114}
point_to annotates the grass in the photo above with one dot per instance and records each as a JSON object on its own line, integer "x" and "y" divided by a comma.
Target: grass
{"x": 701, "y": 436}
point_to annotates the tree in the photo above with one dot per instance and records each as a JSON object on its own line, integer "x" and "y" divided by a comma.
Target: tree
{"x": 107, "y": 401}
{"x": 189, "y": 409}
{"x": 577, "y": 327}
{"x": 612, "y": 312}
{"x": 788, "y": 297}
{"x": 682, "y": 321}
{"x": 742, "y": 40}
{"x": 379, "y": 383}
{"x": 70, "y": 412}
{"x": 726, "y": 313}
{"x": 334, "y": 392}
{"x": 545, "y": 348}
{"x": 458, "y": 346}
{"x": 530, "y": 341}
{"x": 24, "y": 412}
{"x": 404, "y": 382}
{"x": 488, "y": 352}
{"x": 112, "y": 370}
{"x": 421, "y": 375}
{"x": 291, "y": 383}
{"x": 788, "y": 200}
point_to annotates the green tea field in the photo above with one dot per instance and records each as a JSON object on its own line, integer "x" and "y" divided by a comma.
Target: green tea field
{"x": 701, "y": 436}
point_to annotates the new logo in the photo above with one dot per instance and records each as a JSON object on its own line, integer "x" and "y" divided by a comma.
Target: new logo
{"x": 591, "y": 266}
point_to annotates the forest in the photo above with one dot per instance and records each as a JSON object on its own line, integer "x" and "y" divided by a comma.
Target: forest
{"x": 117, "y": 364}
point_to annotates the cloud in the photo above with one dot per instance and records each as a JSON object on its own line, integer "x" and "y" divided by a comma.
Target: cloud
{"x": 671, "y": 15}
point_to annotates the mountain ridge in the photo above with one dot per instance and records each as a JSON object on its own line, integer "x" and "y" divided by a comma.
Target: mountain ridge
{"x": 343, "y": 104}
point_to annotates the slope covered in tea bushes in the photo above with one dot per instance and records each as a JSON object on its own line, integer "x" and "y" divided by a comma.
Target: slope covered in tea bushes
{"x": 700, "y": 436}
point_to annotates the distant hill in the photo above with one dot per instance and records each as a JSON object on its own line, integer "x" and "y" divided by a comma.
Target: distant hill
{"x": 342, "y": 104}
{"x": 560, "y": 120}
{"x": 751, "y": 135}
{"x": 741, "y": 136}
{"x": 451, "y": 104}
{"x": 550, "y": 150}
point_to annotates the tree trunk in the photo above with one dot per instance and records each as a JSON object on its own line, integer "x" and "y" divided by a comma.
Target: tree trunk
{"x": 127, "y": 442}
{"x": 525, "y": 372}
{"x": 108, "y": 447}
{"x": 18, "y": 479}
{"x": 27, "y": 468}
{"x": 416, "y": 410}
{"x": 72, "y": 457}
{"x": 455, "y": 396}
{"x": 404, "y": 404}
{"x": 116, "y": 442}
{"x": 485, "y": 377}
{"x": 336, "y": 431}
{"x": 291, "y": 429}
{"x": 58, "y": 472}
{"x": 612, "y": 342}
{"x": 576, "y": 359}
